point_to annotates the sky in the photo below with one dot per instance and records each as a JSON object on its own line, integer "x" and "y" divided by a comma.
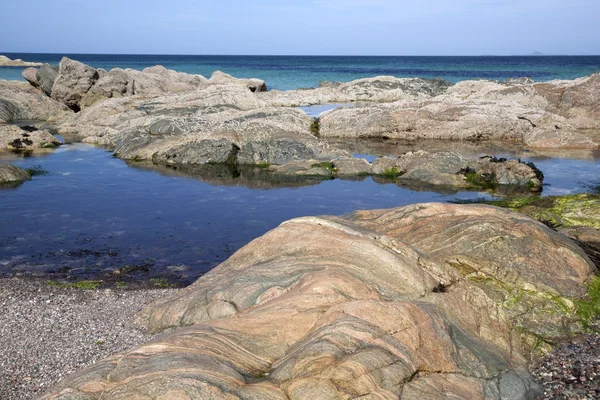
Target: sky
{"x": 310, "y": 27}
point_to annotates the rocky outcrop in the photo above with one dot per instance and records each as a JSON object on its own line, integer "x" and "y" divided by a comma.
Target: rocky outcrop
{"x": 26, "y": 139}
{"x": 45, "y": 77}
{"x": 452, "y": 169}
{"x": 30, "y": 75}
{"x": 576, "y": 216}
{"x": 426, "y": 301}
{"x": 149, "y": 82}
{"x": 379, "y": 89}
{"x": 79, "y": 86}
{"x": 444, "y": 169}
{"x": 255, "y": 85}
{"x": 538, "y": 115}
{"x": 11, "y": 176}
{"x": 7, "y": 62}
{"x": 26, "y": 103}
{"x": 214, "y": 124}
{"x": 73, "y": 82}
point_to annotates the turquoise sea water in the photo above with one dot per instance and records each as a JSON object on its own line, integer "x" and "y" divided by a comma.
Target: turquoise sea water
{"x": 291, "y": 72}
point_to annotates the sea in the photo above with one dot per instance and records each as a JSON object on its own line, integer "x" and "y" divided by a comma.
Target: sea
{"x": 87, "y": 214}
{"x": 293, "y": 72}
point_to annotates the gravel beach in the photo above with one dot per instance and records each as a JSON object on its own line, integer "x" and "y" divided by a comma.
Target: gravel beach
{"x": 47, "y": 332}
{"x": 572, "y": 371}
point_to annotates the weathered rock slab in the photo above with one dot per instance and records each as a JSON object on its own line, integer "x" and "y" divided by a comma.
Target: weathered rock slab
{"x": 26, "y": 103}
{"x": 46, "y": 76}
{"x": 557, "y": 114}
{"x": 11, "y": 175}
{"x": 15, "y": 138}
{"x": 373, "y": 305}
{"x": 73, "y": 82}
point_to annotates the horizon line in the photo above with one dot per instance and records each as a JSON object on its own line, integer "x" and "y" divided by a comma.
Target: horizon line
{"x": 308, "y": 55}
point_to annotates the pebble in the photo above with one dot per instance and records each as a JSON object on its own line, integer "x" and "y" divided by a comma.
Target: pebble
{"x": 572, "y": 371}
{"x": 47, "y": 332}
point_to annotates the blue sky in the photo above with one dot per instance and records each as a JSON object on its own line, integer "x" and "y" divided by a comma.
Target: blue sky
{"x": 328, "y": 27}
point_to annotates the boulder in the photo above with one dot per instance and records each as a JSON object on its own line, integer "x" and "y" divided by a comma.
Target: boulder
{"x": 454, "y": 170}
{"x": 418, "y": 302}
{"x": 116, "y": 83}
{"x": 15, "y": 138}
{"x": 30, "y": 75}
{"x": 12, "y": 176}
{"x": 352, "y": 167}
{"x": 46, "y": 75}
{"x": 73, "y": 82}
{"x": 20, "y": 101}
{"x": 255, "y": 85}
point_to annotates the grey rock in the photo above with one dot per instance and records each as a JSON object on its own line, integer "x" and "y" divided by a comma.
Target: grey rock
{"x": 329, "y": 84}
{"x": 10, "y": 175}
{"x": 20, "y": 101}
{"x": 219, "y": 151}
{"x": 255, "y": 85}
{"x": 553, "y": 115}
{"x": 73, "y": 82}
{"x": 513, "y": 387}
{"x": 310, "y": 169}
{"x": 30, "y": 75}
{"x": 116, "y": 83}
{"x": 383, "y": 89}
{"x": 352, "y": 166}
{"x": 277, "y": 151}
{"x": 46, "y": 76}
{"x": 382, "y": 164}
{"x": 454, "y": 170}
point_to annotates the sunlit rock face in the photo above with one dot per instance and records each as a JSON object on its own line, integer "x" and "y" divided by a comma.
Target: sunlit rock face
{"x": 414, "y": 302}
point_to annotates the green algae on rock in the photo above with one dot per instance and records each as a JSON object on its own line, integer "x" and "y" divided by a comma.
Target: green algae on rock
{"x": 11, "y": 176}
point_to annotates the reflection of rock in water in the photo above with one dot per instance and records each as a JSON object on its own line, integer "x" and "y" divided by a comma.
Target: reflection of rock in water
{"x": 379, "y": 147}
{"x": 11, "y": 176}
{"x": 227, "y": 175}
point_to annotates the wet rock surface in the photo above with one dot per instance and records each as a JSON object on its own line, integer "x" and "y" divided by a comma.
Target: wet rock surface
{"x": 441, "y": 169}
{"x": 363, "y": 305}
{"x": 12, "y": 176}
